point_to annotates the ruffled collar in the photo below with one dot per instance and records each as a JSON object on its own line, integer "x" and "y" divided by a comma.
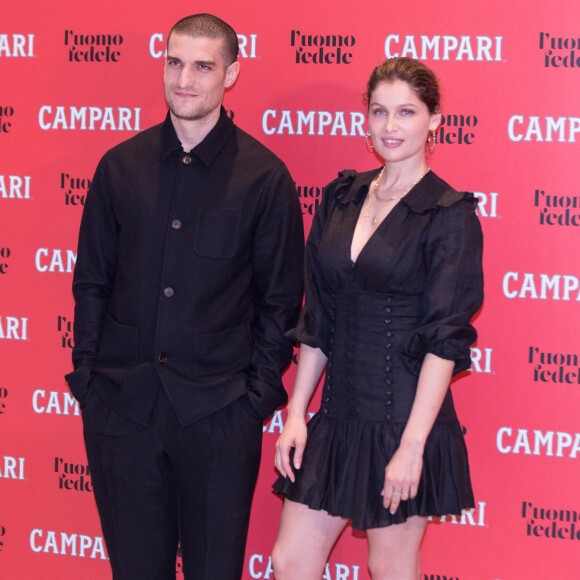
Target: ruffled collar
{"x": 430, "y": 193}
{"x": 344, "y": 191}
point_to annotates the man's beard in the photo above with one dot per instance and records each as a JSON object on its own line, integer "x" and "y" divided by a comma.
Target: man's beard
{"x": 193, "y": 116}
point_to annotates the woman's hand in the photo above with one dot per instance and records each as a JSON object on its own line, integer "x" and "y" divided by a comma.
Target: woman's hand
{"x": 293, "y": 435}
{"x": 402, "y": 475}
{"x": 311, "y": 363}
{"x": 403, "y": 472}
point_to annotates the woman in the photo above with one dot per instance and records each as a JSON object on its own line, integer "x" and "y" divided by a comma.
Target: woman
{"x": 393, "y": 278}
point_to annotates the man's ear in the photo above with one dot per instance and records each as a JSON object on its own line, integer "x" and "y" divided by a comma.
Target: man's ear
{"x": 232, "y": 73}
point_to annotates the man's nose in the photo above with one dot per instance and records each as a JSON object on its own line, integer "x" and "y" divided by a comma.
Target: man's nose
{"x": 185, "y": 77}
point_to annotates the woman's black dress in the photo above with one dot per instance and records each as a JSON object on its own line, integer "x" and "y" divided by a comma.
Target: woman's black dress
{"x": 412, "y": 291}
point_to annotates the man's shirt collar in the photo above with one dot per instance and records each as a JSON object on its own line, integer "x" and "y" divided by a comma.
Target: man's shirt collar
{"x": 208, "y": 149}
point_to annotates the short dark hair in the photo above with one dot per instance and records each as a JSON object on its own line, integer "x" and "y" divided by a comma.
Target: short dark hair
{"x": 417, "y": 75}
{"x": 209, "y": 26}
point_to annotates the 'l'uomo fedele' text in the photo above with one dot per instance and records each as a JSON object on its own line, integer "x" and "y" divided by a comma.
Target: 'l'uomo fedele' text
{"x": 551, "y": 522}
{"x": 541, "y": 286}
{"x": 554, "y": 367}
{"x": 557, "y": 209}
{"x": 92, "y": 47}
{"x": 260, "y": 566}
{"x": 73, "y": 476}
{"x": 322, "y": 48}
{"x": 75, "y": 189}
{"x": 6, "y": 112}
{"x": 560, "y": 51}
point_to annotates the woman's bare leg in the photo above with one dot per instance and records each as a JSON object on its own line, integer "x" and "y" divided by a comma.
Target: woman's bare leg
{"x": 394, "y": 550}
{"x": 304, "y": 542}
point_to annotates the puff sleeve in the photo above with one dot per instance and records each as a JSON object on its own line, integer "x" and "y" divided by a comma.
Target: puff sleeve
{"x": 453, "y": 291}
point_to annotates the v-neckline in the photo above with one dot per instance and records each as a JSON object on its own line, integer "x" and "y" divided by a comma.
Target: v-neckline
{"x": 369, "y": 239}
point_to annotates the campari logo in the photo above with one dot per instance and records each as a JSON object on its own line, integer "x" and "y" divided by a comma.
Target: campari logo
{"x": 89, "y": 118}
{"x": 445, "y": 47}
{"x": 557, "y": 209}
{"x": 559, "y": 368}
{"x": 522, "y": 441}
{"x": 260, "y": 566}
{"x": 322, "y": 48}
{"x": 15, "y": 186}
{"x": 555, "y": 523}
{"x": 276, "y": 424}
{"x": 530, "y": 286}
{"x": 481, "y": 360}
{"x": 82, "y": 47}
{"x": 528, "y": 128}
{"x": 333, "y": 123}
{"x": 12, "y": 467}
{"x": 13, "y": 328}
{"x": 16, "y": 45}
{"x": 55, "y": 260}
{"x": 67, "y": 544}
{"x": 559, "y": 51}
{"x": 247, "y": 44}
{"x": 474, "y": 518}
{"x": 487, "y": 204}
{"x": 54, "y": 403}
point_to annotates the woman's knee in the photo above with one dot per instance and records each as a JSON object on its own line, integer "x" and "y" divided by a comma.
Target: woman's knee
{"x": 282, "y": 563}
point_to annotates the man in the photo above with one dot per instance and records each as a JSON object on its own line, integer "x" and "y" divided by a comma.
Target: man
{"x": 188, "y": 274}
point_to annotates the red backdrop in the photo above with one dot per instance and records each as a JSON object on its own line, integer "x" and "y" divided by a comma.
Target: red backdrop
{"x": 79, "y": 77}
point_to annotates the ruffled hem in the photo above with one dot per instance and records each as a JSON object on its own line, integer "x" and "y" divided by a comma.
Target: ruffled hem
{"x": 343, "y": 472}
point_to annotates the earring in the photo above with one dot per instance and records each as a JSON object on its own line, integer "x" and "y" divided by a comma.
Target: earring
{"x": 431, "y": 140}
{"x": 368, "y": 140}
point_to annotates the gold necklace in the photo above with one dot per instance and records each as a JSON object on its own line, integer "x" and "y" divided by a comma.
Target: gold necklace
{"x": 406, "y": 188}
{"x": 374, "y": 191}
